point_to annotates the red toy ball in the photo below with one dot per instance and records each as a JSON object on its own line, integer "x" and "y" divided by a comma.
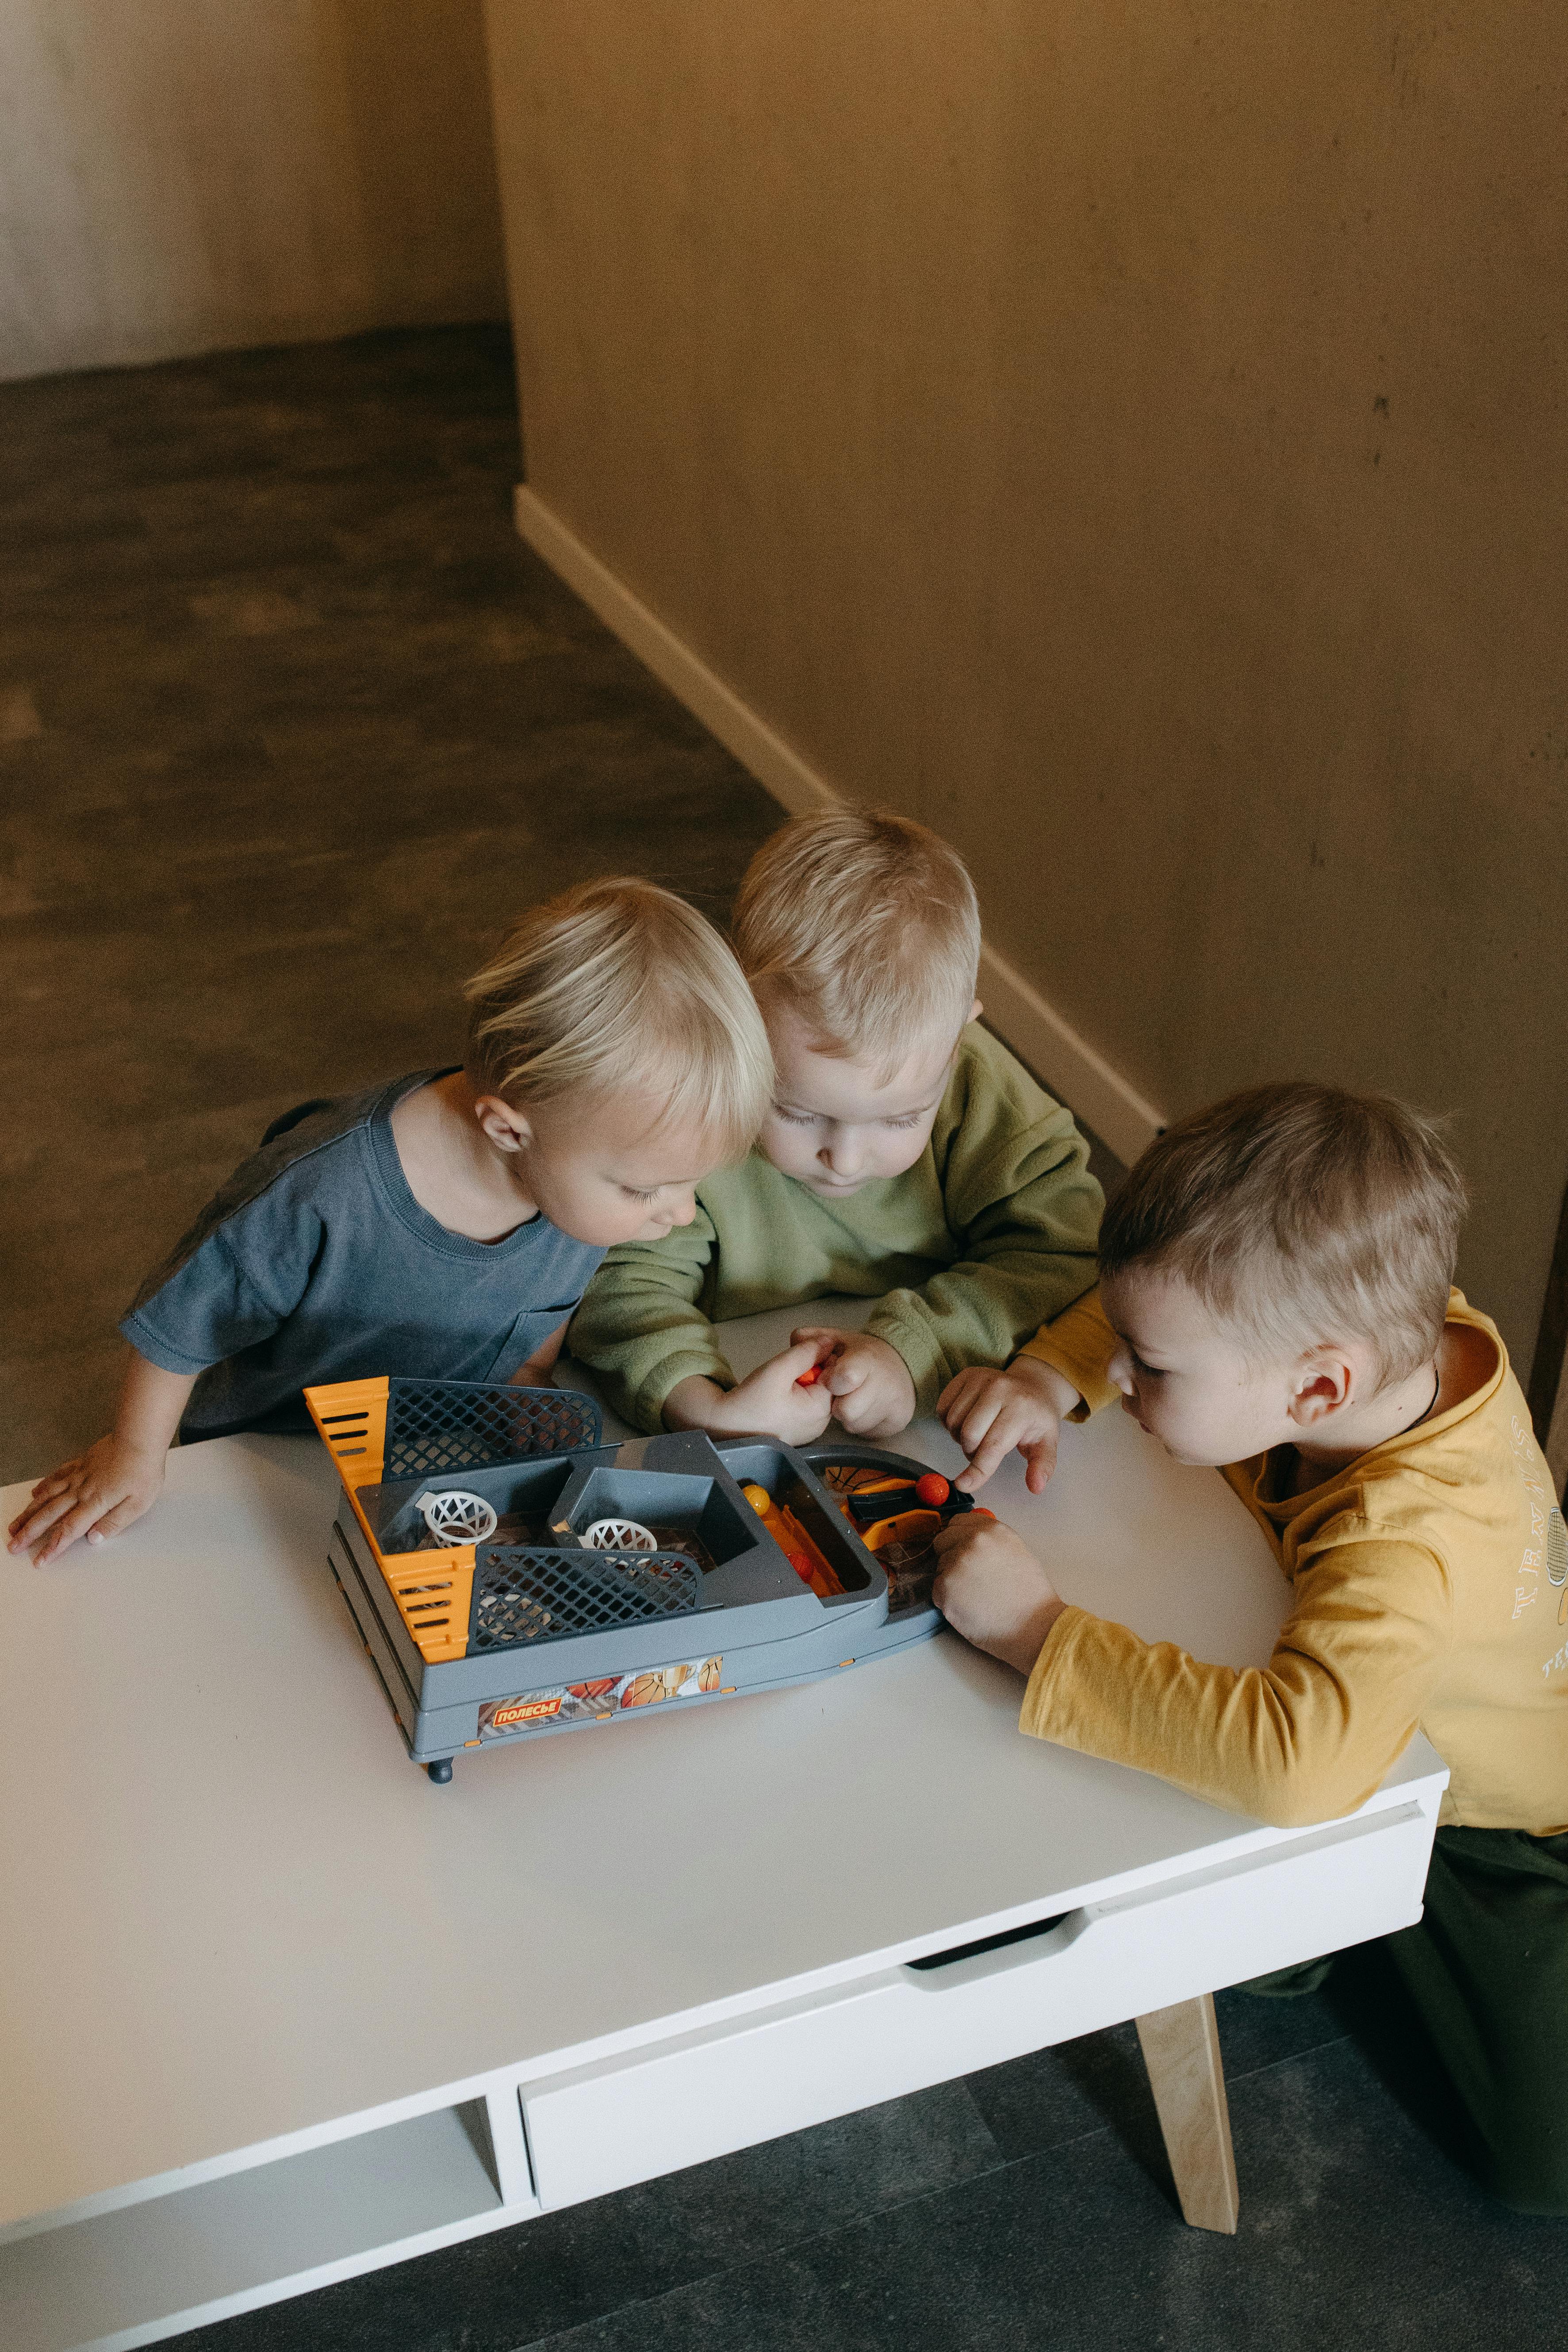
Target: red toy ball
{"x": 933, "y": 1489}
{"x": 800, "y": 1564}
{"x": 809, "y": 1379}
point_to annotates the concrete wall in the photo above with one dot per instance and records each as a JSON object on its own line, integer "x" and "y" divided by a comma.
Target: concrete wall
{"x": 186, "y": 175}
{"x": 1132, "y": 438}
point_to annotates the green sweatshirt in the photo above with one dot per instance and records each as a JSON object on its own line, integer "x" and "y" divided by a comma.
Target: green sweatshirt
{"x": 989, "y": 1235}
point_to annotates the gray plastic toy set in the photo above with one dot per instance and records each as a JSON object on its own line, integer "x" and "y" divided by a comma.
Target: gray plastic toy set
{"x": 512, "y": 1576}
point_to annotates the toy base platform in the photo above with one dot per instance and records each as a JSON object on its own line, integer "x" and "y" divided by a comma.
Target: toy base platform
{"x": 759, "y": 1576}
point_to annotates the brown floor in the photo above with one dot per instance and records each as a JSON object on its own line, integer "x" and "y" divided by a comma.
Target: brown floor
{"x": 291, "y": 724}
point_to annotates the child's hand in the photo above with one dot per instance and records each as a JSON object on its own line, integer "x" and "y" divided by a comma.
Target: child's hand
{"x": 769, "y": 1399}
{"x": 994, "y": 1591}
{"x": 868, "y": 1380}
{"x": 989, "y": 1413}
{"x": 94, "y": 1495}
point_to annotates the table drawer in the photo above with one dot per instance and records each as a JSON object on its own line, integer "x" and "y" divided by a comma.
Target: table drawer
{"x": 701, "y": 2094}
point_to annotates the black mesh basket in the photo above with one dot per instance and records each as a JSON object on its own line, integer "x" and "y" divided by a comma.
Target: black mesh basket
{"x": 526, "y": 1594}
{"x": 434, "y": 1425}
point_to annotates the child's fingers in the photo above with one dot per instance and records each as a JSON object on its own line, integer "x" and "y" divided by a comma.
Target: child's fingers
{"x": 981, "y": 1417}
{"x": 960, "y": 1393}
{"x": 970, "y": 1481}
{"x": 826, "y": 1345}
{"x": 64, "y": 1532}
{"x": 818, "y": 1413}
{"x": 871, "y": 1411}
{"x": 38, "y": 1519}
{"x": 1013, "y": 1425}
{"x": 799, "y": 1357}
{"x": 59, "y": 1482}
{"x": 129, "y": 1507}
{"x": 1040, "y": 1454}
{"x": 949, "y": 1543}
{"x": 54, "y": 1480}
{"x": 85, "y": 1512}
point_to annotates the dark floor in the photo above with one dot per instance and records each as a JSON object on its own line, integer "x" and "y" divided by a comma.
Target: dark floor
{"x": 291, "y": 724}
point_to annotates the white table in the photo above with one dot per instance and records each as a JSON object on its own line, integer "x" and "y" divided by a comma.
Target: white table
{"x": 274, "y": 2010}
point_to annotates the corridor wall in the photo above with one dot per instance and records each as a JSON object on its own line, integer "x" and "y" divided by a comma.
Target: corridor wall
{"x": 1131, "y": 438}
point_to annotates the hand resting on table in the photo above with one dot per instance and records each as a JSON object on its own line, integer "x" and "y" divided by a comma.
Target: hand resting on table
{"x": 994, "y": 1591}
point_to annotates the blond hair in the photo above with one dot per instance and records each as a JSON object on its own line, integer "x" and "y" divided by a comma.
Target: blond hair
{"x": 1301, "y": 1214}
{"x": 618, "y": 986}
{"x": 866, "y": 925}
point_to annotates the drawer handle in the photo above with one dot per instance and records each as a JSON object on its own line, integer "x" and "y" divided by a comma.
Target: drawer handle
{"x": 990, "y": 1955}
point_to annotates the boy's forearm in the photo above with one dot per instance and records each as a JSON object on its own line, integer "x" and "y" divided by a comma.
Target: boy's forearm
{"x": 533, "y": 1374}
{"x": 639, "y": 1374}
{"x": 1305, "y": 1739}
{"x": 151, "y": 1404}
{"x": 694, "y": 1402}
{"x": 640, "y": 1328}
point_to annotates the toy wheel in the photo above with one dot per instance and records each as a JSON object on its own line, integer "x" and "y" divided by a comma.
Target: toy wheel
{"x": 456, "y": 1517}
{"x": 620, "y": 1535}
{"x": 441, "y": 1770}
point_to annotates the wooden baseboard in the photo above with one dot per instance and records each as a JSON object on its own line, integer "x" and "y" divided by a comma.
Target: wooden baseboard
{"x": 1015, "y": 1008}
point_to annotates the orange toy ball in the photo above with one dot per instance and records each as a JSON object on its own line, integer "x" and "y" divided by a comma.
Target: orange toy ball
{"x": 979, "y": 1512}
{"x": 809, "y": 1379}
{"x": 801, "y": 1565}
{"x": 933, "y": 1489}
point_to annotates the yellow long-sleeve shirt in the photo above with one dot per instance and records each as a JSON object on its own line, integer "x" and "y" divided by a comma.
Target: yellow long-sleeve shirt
{"x": 1430, "y": 1584}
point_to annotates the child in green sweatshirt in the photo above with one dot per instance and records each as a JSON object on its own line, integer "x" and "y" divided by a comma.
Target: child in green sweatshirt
{"x": 905, "y": 1157}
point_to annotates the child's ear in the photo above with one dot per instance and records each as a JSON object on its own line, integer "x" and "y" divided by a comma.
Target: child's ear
{"x": 1324, "y": 1381}
{"x": 507, "y": 1130}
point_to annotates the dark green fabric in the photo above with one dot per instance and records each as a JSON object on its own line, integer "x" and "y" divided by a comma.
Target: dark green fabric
{"x": 1486, "y": 1972}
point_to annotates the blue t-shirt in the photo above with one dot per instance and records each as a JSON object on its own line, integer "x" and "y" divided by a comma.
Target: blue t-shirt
{"x": 316, "y": 1263}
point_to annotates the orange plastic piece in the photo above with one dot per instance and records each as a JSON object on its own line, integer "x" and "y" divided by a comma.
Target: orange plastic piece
{"x": 809, "y": 1564}
{"x": 432, "y": 1590}
{"x": 909, "y": 1526}
{"x": 809, "y": 1379}
{"x": 352, "y": 1418}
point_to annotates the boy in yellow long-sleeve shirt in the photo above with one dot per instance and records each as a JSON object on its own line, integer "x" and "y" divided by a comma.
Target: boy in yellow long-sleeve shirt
{"x": 1276, "y": 1290}
{"x": 905, "y": 1157}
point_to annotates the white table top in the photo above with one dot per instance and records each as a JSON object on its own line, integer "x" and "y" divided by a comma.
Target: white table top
{"x": 234, "y": 1909}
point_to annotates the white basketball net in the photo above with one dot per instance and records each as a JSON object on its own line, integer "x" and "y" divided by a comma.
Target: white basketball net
{"x": 456, "y": 1517}
{"x": 620, "y": 1535}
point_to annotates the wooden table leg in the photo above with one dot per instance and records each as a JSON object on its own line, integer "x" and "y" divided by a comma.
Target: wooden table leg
{"x": 1181, "y": 2050}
